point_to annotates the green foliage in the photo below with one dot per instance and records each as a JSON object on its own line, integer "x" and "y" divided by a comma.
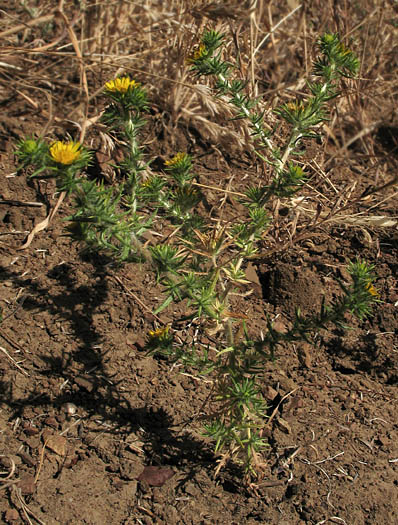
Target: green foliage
{"x": 201, "y": 262}
{"x": 32, "y": 152}
{"x": 100, "y": 226}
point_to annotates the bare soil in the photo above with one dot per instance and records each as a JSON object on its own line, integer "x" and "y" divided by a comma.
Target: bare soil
{"x": 84, "y": 409}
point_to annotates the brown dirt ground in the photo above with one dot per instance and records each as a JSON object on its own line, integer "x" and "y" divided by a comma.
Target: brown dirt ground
{"x": 73, "y": 333}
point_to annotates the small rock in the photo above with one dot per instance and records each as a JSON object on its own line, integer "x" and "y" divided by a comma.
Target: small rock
{"x": 27, "y": 485}
{"x": 117, "y": 483}
{"x": 70, "y": 409}
{"x": 140, "y": 342}
{"x": 26, "y": 458}
{"x": 270, "y": 393}
{"x": 33, "y": 442}
{"x": 131, "y": 339}
{"x": 8, "y": 461}
{"x": 71, "y": 461}
{"x": 284, "y": 425}
{"x": 47, "y": 433}
{"x": 114, "y": 314}
{"x": 54, "y": 442}
{"x": 190, "y": 489}
{"x": 280, "y": 326}
{"x": 30, "y": 430}
{"x": 286, "y": 384}
{"x": 155, "y": 476}
{"x": 345, "y": 275}
{"x": 171, "y": 514}
{"x": 11, "y": 515}
{"x": 304, "y": 355}
{"x": 266, "y": 432}
{"x": 51, "y": 422}
{"x": 149, "y": 317}
{"x": 84, "y": 383}
{"x": 136, "y": 447}
{"x": 129, "y": 490}
{"x": 57, "y": 444}
{"x": 252, "y": 276}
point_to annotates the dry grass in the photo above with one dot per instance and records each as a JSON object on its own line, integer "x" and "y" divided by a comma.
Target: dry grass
{"x": 55, "y": 60}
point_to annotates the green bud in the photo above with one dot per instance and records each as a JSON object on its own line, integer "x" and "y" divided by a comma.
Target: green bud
{"x": 29, "y": 146}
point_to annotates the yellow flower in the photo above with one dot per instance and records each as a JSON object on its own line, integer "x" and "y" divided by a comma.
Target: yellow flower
{"x": 65, "y": 152}
{"x": 159, "y": 333}
{"x": 146, "y": 183}
{"x": 199, "y": 53}
{"x": 176, "y": 159}
{"x": 295, "y": 106}
{"x": 120, "y": 85}
{"x": 343, "y": 50}
{"x": 372, "y": 290}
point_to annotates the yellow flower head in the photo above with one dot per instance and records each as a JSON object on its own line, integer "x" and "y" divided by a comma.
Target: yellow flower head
{"x": 159, "y": 333}
{"x": 372, "y": 290}
{"x": 120, "y": 85}
{"x": 343, "y": 50}
{"x": 65, "y": 152}
{"x": 146, "y": 183}
{"x": 199, "y": 53}
{"x": 295, "y": 106}
{"x": 179, "y": 157}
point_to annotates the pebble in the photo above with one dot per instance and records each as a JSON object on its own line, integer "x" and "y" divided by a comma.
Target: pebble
{"x": 26, "y": 458}
{"x": 284, "y": 425}
{"x": 270, "y": 393}
{"x": 84, "y": 383}
{"x": 51, "y": 422}
{"x": 11, "y": 515}
{"x": 6, "y": 461}
{"x": 70, "y": 409}
{"x": 27, "y": 485}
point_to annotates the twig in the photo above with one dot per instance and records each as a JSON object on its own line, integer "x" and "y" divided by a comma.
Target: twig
{"x": 12, "y": 468}
{"x": 41, "y": 459}
{"x": 273, "y": 29}
{"x": 10, "y": 341}
{"x": 43, "y": 224}
{"x": 19, "y": 305}
{"x": 279, "y": 404}
{"x": 340, "y": 520}
{"x": 25, "y": 508}
{"x": 13, "y": 360}
{"x": 20, "y": 203}
{"x": 31, "y": 23}
{"x": 71, "y": 426}
{"x": 328, "y": 459}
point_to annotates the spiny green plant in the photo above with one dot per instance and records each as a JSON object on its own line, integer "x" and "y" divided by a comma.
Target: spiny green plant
{"x": 202, "y": 262}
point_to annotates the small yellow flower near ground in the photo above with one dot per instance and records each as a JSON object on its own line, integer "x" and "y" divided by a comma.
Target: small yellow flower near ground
{"x": 372, "y": 290}
{"x": 197, "y": 54}
{"x": 146, "y": 183}
{"x": 295, "y": 106}
{"x": 343, "y": 50}
{"x": 65, "y": 152}
{"x": 121, "y": 85}
{"x": 159, "y": 333}
{"x": 176, "y": 159}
